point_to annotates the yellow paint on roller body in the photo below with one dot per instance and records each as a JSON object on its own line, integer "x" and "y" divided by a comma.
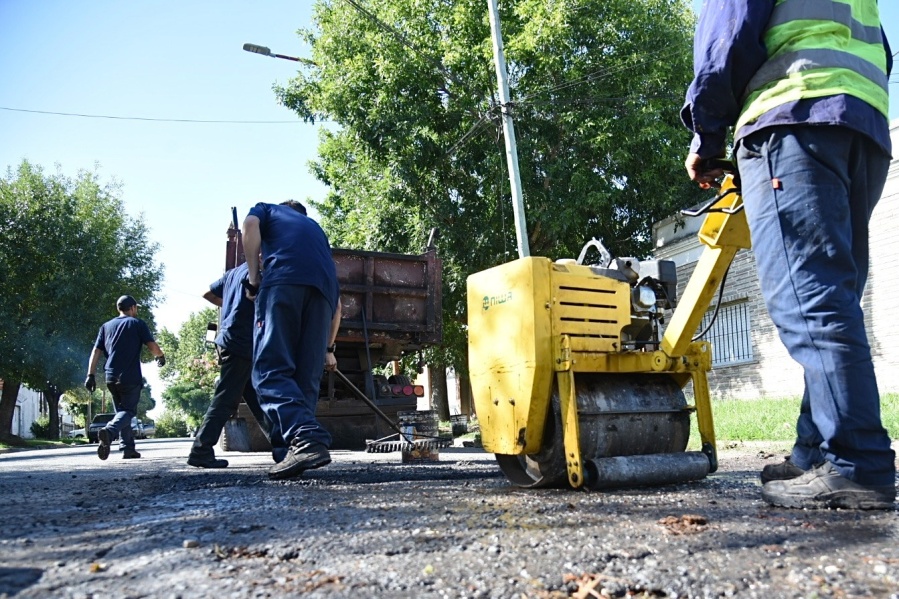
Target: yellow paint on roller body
{"x": 531, "y": 320}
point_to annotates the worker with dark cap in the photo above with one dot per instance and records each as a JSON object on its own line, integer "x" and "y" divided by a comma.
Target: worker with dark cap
{"x": 297, "y": 318}
{"x": 235, "y": 343}
{"x": 121, "y": 340}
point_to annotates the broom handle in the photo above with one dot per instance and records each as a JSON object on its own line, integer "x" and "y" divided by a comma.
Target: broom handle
{"x": 370, "y": 403}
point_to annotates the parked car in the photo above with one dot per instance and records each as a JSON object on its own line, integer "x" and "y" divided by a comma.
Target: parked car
{"x": 78, "y": 433}
{"x": 101, "y": 420}
{"x": 137, "y": 426}
{"x": 148, "y": 429}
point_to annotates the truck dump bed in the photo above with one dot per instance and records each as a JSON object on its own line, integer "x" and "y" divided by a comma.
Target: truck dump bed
{"x": 390, "y": 300}
{"x": 391, "y": 306}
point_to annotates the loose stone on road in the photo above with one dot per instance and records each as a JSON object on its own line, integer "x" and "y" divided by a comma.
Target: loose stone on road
{"x": 368, "y": 525}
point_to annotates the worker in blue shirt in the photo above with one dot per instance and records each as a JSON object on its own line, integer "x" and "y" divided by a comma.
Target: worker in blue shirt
{"x": 235, "y": 342}
{"x": 804, "y": 85}
{"x": 121, "y": 340}
{"x": 297, "y": 318}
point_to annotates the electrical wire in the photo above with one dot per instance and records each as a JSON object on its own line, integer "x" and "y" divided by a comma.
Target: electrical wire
{"x": 600, "y": 74}
{"x": 140, "y": 118}
{"x": 476, "y": 128}
{"x": 714, "y": 317}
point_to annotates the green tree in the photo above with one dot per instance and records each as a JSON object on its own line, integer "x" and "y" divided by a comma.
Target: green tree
{"x": 170, "y": 425}
{"x": 68, "y": 249}
{"x": 191, "y": 367}
{"x": 416, "y": 138}
{"x": 146, "y": 403}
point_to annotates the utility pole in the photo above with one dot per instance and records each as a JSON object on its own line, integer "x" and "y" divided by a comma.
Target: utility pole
{"x": 509, "y": 133}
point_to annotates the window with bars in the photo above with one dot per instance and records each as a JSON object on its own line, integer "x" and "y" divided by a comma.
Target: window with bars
{"x": 730, "y": 334}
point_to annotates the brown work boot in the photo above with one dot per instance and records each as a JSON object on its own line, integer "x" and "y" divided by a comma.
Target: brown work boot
{"x": 783, "y": 471}
{"x": 824, "y": 487}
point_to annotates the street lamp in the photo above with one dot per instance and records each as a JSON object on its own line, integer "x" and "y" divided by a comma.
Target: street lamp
{"x": 257, "y": 49}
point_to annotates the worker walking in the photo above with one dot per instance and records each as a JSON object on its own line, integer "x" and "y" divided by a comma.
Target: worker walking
{"x": 235, "y": 342}
{"x": 121, "y": 340}
{"x": 805, "y": 86}
{"x": 297, "y": 318}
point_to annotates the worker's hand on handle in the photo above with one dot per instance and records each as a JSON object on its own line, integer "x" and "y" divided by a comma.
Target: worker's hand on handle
{"x": 90, "y": 383}
{"x": 252, "y": 289}
{"x": 160, "y": 360}
{"x": 330, "y": 361}
{"x": 699, "y": 171}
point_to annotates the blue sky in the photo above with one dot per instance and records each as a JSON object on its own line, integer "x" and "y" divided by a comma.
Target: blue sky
{"x": 167, "y": 60}
{"x": 170, "y": 59}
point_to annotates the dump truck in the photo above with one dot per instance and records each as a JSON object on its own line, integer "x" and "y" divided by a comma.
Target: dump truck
{"x": 391, "y": 308}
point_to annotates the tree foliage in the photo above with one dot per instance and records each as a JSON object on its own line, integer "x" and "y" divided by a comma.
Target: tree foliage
{"x": 416, "y": 140}
{"x": 191, "y": 367}
{"x": 171, "y": 424}
{"x": 68, "y": 249}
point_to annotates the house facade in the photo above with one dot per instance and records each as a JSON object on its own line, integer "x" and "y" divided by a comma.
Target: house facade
{"x": 30, "y": 406}
{"x": 749, "y": 361}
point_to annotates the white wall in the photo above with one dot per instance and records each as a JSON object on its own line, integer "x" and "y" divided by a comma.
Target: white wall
{"x": 881, "y": 300}
{"x": 28, "y": 409}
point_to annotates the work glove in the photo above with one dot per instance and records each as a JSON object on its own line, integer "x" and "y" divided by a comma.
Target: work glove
{"x": 160, "y": 360}
{"x": 252, "y": 290}
{"x": 90, "y": 383}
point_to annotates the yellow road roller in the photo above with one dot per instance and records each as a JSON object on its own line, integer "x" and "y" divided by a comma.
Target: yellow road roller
{"x": 574, "y": 380}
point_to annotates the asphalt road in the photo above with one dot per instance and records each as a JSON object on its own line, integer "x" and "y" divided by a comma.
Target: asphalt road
{"x": 370, "y": 526}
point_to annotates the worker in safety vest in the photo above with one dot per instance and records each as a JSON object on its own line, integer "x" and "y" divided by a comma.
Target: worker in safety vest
{"x": 804, "y": 84}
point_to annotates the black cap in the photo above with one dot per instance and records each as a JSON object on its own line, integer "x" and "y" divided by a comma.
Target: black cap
{"x": 125, "y": 302}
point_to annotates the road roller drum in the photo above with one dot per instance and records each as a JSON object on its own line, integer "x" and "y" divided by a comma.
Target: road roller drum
{"x": 618, "y": 415}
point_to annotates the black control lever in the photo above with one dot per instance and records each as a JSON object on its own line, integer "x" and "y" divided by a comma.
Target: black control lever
{"x": 728, "y": 166}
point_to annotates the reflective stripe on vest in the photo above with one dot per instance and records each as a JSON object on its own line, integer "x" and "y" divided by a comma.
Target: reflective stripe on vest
{"x": 819, "y": 48}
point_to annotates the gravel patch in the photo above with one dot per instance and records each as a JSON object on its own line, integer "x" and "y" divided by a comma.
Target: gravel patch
{"x": 370, "y": 526}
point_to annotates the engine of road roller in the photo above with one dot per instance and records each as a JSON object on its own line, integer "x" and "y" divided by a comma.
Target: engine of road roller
{"x": 574, "y": 379}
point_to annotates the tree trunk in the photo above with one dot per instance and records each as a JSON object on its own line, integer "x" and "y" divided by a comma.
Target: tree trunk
{"x": 8, "y": 406}
{"x": 52, "y": 395}
{"x": 439, "y": 392}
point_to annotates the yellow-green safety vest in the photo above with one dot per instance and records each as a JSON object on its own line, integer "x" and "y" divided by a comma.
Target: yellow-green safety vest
{"x": 819, "y": 48}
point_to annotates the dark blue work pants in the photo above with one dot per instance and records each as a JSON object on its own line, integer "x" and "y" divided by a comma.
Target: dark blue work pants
{"x": 293, "y": 323}
{"x": 233, "y": 383}
{"x": 125, "y": 399}
{"x": 809, "y": 193}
